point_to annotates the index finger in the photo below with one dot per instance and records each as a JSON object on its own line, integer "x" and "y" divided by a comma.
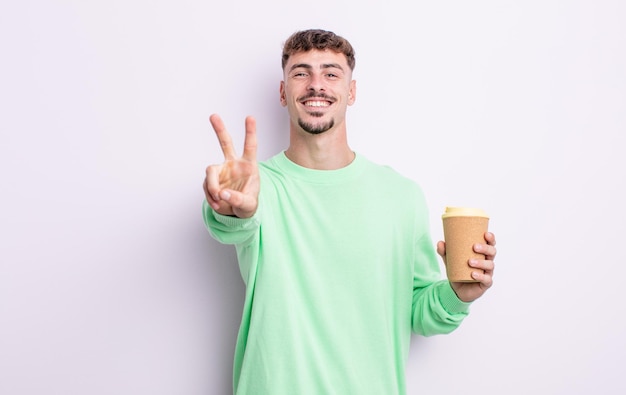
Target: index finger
{"x": 250, "y": 144}
{"x": 223, "y": 137}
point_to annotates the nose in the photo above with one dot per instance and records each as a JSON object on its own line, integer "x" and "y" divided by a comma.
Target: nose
{"x": 316, "y": 83}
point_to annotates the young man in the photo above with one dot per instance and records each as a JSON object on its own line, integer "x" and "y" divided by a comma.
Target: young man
{"x": 334, "y": 250}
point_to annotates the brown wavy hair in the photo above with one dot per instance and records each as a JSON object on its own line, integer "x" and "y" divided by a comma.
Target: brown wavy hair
{"x": 306, "y": 40}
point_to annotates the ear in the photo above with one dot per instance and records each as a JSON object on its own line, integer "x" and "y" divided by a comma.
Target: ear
{"x": 352, "y": 93}
{"x": 283, "y": 95}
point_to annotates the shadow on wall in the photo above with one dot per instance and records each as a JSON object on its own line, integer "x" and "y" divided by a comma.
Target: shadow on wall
{"x": 226, "y": 293}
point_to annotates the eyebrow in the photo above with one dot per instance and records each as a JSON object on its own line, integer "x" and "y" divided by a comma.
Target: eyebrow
{"x": 323, "y": 66}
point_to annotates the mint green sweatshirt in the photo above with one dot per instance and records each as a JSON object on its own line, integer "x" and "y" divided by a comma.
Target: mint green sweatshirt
{"x": 339, "y": 267}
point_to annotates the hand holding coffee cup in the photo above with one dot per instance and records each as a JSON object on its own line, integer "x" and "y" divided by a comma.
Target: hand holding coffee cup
{"x": 462, "y": 228}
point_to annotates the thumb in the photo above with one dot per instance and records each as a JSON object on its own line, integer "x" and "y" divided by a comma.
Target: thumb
{"x": 441, "y": 250}
{"x": 243, "y": 205}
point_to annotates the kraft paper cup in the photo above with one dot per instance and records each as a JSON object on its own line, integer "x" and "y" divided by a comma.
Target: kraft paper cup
{"x": 462, "y": 228}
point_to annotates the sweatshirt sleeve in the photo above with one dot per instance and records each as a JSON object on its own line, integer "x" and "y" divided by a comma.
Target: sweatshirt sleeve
{"x": 227, "y": 229}
{"x": 436, "y": 308}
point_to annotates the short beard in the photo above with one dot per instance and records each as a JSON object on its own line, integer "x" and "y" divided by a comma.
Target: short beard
{"x": 316, "y": 129}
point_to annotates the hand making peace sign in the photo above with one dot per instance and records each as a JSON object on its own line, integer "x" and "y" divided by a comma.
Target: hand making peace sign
{"x": 232, "y": 188}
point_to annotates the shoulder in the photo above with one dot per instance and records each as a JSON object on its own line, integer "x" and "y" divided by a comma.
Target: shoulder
{"x": 271, "y": 169}
{"x": 388, "y": 176}
{"x": 390, "y": 184}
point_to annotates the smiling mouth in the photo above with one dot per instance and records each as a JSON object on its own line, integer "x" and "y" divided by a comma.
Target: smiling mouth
{"x": 316, "y": 103}
{"x": 317, "y": 100}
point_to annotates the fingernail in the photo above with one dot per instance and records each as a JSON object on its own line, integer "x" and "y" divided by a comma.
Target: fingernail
{"x": 225, "y": 195}
{"x": 473, "y": 262}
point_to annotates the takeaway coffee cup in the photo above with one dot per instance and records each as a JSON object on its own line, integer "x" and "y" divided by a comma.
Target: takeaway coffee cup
{"x": 462, "y": 228}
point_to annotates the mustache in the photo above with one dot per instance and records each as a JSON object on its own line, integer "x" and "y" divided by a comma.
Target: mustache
{"x": 317, "y": 95}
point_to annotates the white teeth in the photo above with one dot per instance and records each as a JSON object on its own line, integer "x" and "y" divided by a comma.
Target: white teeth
{"x": 316, "y": 104}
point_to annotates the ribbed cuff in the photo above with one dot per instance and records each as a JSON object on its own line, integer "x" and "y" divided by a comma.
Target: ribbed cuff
{"x": 235, "y": 222}
{"x": 450, "y": 302}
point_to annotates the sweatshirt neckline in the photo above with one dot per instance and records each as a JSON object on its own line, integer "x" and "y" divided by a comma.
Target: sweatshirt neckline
{"x": 319, "y": 176}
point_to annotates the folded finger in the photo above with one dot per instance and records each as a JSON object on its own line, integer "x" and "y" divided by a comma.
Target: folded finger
{"x": 212, "y": 181}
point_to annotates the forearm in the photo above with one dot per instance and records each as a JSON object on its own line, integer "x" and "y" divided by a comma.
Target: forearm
{"x": 437, "y": 309}
{"x": 228, "y": 229}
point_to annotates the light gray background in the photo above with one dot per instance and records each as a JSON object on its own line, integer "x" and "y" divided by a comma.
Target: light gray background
{"x": 109, "y": 283}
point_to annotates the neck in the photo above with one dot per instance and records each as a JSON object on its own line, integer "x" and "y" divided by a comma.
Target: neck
{"x": 325, "y": 151}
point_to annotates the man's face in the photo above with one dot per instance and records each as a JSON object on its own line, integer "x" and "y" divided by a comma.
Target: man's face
{"x": 317, "y": 88}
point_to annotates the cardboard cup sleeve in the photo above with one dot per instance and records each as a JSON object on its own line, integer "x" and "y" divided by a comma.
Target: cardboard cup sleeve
{"x": 462, "y": 228}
